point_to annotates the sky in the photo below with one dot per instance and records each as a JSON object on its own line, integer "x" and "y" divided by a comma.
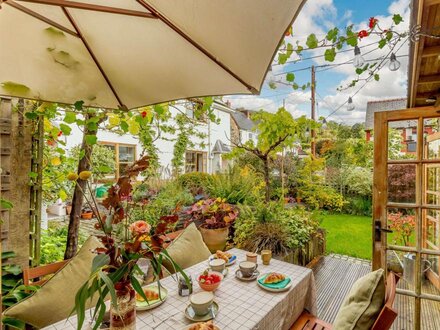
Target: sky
{"x": 318, "y": 16}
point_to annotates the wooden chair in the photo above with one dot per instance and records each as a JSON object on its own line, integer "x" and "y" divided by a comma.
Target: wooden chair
{"x": 383, "y": 322}
{"x": 40, "y": 272}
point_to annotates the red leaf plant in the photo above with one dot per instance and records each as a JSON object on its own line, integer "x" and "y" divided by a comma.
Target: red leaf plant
{"x": 116, "y": 262}
{"x": 403, "y": 226}
{"x": 212, "y": 213}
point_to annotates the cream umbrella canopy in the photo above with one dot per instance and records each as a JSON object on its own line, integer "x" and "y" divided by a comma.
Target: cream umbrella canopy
{"x": 131, "y": 53}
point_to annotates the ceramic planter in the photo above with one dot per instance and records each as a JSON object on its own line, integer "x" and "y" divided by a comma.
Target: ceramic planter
{"x": 215, "y": 239}
{"x": 87, "y": 215}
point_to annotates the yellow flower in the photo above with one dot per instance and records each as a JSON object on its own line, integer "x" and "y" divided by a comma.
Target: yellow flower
{"x": 85, "y": 175}
{"x": 72, "y": 176}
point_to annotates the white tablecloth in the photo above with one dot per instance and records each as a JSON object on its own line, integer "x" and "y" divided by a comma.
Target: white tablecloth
{"x": 242, "y": 305}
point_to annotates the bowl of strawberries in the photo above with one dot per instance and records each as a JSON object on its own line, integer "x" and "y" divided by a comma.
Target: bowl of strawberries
{"x": 210, "y": 280}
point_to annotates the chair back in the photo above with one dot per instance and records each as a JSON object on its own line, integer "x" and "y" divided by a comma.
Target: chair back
{"x": 388, "y": 314}
{"x": 29, "y": 274}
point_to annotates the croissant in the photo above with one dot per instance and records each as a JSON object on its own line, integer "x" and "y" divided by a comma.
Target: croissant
{"x": 150, "y": 294}
{"x": 273, "y": 278}
{"x": 222, "y": 255}
{"x": 203, "y": 326}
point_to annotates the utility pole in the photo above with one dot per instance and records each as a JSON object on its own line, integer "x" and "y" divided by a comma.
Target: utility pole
{"x": 313, "y": 115}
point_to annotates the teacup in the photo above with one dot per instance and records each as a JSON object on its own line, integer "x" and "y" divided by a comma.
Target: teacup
{"x": 247, "y": 268}
{"x": 201, "y": 302}
{"x": 217, "y": 265}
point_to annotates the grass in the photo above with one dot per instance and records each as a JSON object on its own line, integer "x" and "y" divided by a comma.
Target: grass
{"x": 348, "y": 234}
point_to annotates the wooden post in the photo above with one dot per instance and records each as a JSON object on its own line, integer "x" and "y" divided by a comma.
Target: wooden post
{"x": 313, "y": 115}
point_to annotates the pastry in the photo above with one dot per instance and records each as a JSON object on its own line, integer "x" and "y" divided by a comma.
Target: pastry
{"x": 203, "y": 326}
{"x": 273, "y": 278}
{"x": 223, "y": 255}
{"x": 150, "y": 294}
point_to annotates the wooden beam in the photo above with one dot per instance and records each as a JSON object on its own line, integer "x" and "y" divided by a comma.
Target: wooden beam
{"x": 429, "y": 3}
{"x": 431, "y": 51}
{"x": 432, "y": 79}
{"x": 92, "y": 7}
{"x": 40, "y": 17}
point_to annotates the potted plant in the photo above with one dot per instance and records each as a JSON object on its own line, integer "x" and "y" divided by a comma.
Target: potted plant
{"x": 86, "y": 213}
{"x": 213, "y": 217}
{"x": 115, "y": 264}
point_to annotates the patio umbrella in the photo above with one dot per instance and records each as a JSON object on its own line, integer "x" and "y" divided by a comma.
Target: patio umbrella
{"x": 131, "y": 53}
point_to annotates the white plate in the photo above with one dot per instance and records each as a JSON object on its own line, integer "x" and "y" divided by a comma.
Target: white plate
{"x": 287, "y": 287}
{"x": 231, "y": 261}
{"x": 144, "y": 306}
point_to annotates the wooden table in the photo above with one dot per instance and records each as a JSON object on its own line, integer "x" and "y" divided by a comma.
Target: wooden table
{"x": 243, "y": 305}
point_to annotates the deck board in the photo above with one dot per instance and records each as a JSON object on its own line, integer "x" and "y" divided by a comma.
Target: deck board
{"x": 336, "y": 274}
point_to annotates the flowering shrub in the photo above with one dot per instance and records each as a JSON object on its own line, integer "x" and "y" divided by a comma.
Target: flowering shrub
{"x": 213, "y": 213}
{"x": 403, "y": 227}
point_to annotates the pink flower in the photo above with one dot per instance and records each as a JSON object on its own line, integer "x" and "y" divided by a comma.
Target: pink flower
{"x": 139, "y": 228}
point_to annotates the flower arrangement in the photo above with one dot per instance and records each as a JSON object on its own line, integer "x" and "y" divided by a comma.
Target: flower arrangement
{"x": 403, "y": 227}
{"x": 115, "y": 264}
{"x": 213, "y": 213}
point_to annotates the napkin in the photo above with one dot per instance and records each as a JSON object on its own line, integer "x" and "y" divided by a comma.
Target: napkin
{"x": 279, "y": 285}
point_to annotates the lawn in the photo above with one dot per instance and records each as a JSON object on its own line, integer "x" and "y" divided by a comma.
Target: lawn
{"x": 348, "y": 234}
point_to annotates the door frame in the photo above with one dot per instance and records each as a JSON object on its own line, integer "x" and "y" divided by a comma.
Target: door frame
{"x": 380, "y": 198}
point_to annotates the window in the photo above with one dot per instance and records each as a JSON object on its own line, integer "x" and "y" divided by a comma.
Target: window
{"x": 191, "y": 110}
{"x": 125, "y": 155}
{"x": 412, "y": 147}
{"x": 250, "y": 136}
{"x": 195, "y": 161}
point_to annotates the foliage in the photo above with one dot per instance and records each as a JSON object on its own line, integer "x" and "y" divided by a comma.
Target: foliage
{"x": 213, "y": 213}
{"x": 196, "y": 182}
{"x": 358, "y": 205}
{"x": 401, "y": 183}
{"x": 403, "y": 226}
{"x": 102, "y": 161}
{"x": 116, "y": 263}
{"x": 13, "y": 289}
{"x": 53, "y": 243}
{"x": 358, "y": 180}
{"x": 237, "y": 185}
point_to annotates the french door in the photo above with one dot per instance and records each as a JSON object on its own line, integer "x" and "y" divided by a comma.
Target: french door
{"x": 406, "y": 211}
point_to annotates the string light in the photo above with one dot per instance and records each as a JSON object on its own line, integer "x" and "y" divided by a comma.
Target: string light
{"x": 394, "y": 63}
{"x": 358, "y": 60}
{"x": 350, "y": 104}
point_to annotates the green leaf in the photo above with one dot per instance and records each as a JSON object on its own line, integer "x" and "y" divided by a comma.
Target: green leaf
{"x": 82, "y": 153}
{"x": 100, "y": 261}
{"x": 376, "y": 77}
{"x": 124, "y": 126}
{"x": 31, "y": 115}
{"x": 289, "y": 51}
{"x": 332, "y": 35}
{"x": 138, "y": 288}
{"x": 109, "y": 284}
{"x": 330, "y": 54}
{"x": 54, "y": 32}
{"x": 78, "y": 105}
{"x": 5, "y": 204}
{"x": 272, "y": 85}
{"x": 15, "y": 88}
{"x": 382, "y": 43}
{"x": 312, "y": 41}
{"x": 8, "y": 254}
{"x": 12, "y": 269}
{"x": 70, "y": 118}
{"x": 295, "y": 86}
{"x": 92, "y": 126}
{"x": 359, "y": 70}
{"x": 290, "y": 77}
{"x": 91, "y": 139}
{"x": 65, "y": 129}
{"x": 389, "y": 35}
{"x": 352, "y": 38}
{"x": 397, "y": 19}
{"x": 104, "y": 169}
{"x": 282, "y": 58}
{"x": 14, "y": 323}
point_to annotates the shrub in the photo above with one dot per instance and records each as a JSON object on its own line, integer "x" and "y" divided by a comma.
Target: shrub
{"x": 195, "y": 182}
{"x": 322, "y": 197}
{"x": 358, "y": 205}
{"x": 237, "y": 186}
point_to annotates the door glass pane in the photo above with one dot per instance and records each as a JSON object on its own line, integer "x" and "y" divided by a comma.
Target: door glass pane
{"x": 431, "y": 135}
{"x": 402, "y": 222}
{"x": 431, "y": 229}
{"x": 431, "y": 185}
{"x": 430, "y": 274}
{"x": 402, "y": 139}
{"x": 430, "y": 314}
{"x": 405, "y": 312}
{"x": 402, "y": 183}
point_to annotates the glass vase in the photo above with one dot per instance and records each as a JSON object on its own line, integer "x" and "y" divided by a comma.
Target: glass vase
{"x": 123, "y": 316}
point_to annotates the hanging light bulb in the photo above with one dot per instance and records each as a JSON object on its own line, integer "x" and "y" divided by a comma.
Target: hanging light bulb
{"x": 394, "y": 63}
{"x": 358, "y": 60}
{"x": 324, "y": 123}
{"x": 350, "y": 104}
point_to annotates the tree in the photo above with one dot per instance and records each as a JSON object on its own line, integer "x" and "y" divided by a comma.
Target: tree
{"x": 275, "y": 131}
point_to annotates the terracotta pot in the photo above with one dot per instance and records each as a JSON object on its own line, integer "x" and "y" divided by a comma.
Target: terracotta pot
{"x": 124, "y": 316}
{"x": 86, "y": 215}
{"x": 215, "y": 239}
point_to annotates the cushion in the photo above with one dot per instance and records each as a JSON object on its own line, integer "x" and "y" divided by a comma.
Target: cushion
{"x": 187, "y": 249}
{"x": 55, "y": 299}
{"x": 362, "y": 305}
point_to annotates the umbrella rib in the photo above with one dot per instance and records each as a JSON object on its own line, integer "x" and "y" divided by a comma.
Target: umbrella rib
{"x": 174, "y": 27}
{"x": 89, "y": 49}
{"x": 92, "y": 7}
{"x": 40, "y": 17}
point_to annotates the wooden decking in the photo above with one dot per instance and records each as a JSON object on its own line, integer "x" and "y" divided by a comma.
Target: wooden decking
{"x": 336, "y": 274}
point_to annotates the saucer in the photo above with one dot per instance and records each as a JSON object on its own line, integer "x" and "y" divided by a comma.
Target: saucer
{"x": 239, "y": 275}
{"x": 224, "y": 272}
{"x": 191, "y": 315}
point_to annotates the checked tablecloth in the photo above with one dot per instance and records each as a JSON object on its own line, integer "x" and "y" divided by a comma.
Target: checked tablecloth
{"x": 243, "y": 305}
